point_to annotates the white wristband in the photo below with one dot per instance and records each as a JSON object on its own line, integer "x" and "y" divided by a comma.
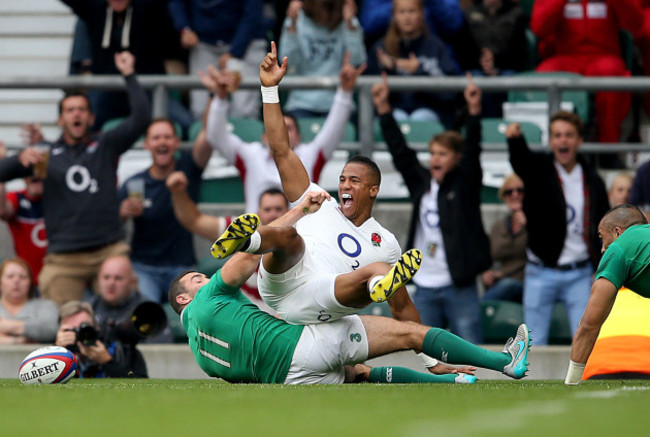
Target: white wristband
{"x": 427, "y": 360}
{"x": 270, "y": 94}
{"x": 574, "y": 373}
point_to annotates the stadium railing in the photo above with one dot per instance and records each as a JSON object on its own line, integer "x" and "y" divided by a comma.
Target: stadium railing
{"x": 553, "y": 86}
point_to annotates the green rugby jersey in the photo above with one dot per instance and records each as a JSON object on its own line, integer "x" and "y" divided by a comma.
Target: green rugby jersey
{"x": 232, "y": 339}
{"x": 626, "y": 260}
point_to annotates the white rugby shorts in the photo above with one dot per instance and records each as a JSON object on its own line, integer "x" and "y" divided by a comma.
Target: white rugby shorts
{"x": 324, "y": 349}
{"x": 302, "y": 295}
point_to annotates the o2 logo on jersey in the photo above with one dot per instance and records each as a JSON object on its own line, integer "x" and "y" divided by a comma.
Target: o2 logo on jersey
{"x": 349, "y": 245}
{"x": 323, "y": 316}
{"x": 78, "y": 179}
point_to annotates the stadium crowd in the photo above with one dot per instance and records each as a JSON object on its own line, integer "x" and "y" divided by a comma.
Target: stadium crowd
{"x": 70, "y": 218}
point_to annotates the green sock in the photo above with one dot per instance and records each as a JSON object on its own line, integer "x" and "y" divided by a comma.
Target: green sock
{"x": 402, "y": 375}
{"x": 452, "y": 349}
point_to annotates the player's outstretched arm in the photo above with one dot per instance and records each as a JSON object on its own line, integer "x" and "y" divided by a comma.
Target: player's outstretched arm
{"x": 295, "y": 179}
{"x": 603, "y": 295}
{"x": 310, "y": 203}
{"x": 186, "y": 211}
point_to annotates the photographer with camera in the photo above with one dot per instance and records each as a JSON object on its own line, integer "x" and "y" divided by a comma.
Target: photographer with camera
{"x": 97, "y": 358}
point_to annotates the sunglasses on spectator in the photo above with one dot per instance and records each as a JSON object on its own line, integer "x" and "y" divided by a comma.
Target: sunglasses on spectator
{"x": 511, "y": 191}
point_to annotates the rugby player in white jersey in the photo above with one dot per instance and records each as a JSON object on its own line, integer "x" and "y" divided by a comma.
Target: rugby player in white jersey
{"x": 337, "y": 239}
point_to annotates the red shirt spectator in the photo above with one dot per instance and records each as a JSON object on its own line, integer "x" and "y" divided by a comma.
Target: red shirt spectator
{"x": 24, "y": 217}
{"x": 582, "y": 36}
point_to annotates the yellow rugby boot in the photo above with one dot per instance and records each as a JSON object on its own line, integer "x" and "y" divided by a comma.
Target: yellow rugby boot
{"x": 236, "y": 236}
{"x": 401, "y": 273}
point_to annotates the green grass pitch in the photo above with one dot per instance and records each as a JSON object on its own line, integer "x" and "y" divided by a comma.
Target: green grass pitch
{"x": 212, "y": 408}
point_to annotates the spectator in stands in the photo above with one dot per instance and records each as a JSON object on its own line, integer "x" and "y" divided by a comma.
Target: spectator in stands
{"x": 409, "y": 50}
{"x": 226, "y": 33}
{"x": 583, "y": 37}
{"x": 142, "y": 27}
{"x": 498, "y": 31}
{"x": 508, "y": 238}
{"x": 100, "y": 358}
{"x": 642, "y": 41}
{"x": 565, "y": 200}
{"x": 23, "y": 318}
{"x": 640, "y": 191}
{"x": 443, "y": 18}
{"x": 23, "y": 212}
{"x": 272, "y": 204}
{"x": 316, "y": 37}
{"x": 446, "y": 221}
{"x": 80, "y": 201}
{"x": 81, "y": 54}
{"x": 145, "y": 198}
{"x": 619, "y": 191}
{"x": 253, "y": 160}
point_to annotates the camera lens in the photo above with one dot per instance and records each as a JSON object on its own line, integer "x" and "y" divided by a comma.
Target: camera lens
{"x": 87, "y": 334}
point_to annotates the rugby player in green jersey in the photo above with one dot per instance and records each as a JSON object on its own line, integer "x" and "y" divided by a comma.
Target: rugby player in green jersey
{"x": 625, "y": 233}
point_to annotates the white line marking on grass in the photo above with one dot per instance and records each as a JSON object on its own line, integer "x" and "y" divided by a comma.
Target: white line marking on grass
{"x": 608, "y": 394}
{"x": 477, "y": 423}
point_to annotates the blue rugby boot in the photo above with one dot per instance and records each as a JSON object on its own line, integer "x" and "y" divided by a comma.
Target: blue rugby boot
{"x": 518, "y": 349}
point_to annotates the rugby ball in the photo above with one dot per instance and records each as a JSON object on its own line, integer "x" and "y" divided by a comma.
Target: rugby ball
{"x": 48, "y": 365}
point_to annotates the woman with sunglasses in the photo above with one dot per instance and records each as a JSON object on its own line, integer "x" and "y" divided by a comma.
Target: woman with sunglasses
{"x": 508, "y": 239}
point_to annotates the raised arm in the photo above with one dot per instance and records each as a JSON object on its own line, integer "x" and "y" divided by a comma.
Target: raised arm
{"x": 123, "y": 136}
{"x": 201, "y": 150}
{"x": 404, "y": 158}
{"x": 188, "y": 214}
{"x": 295, "y": 179}
{"x": 221, "y": 84}
{"x": 521, "y": 157}
{"x": 310, "y": 203}
{"x": 470, "y": 163}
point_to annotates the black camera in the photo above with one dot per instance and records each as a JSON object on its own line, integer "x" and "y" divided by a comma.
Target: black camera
{"x": 146, "y": 320}
{"x": 86, "y": 334}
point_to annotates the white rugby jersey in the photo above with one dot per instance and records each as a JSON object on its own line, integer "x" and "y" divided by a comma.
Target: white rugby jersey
{"x": 338, "y": 246}
{"x": 254, "y": 162}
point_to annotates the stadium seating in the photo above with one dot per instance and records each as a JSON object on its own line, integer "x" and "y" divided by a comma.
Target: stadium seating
{"x": 222, "y": 190}
{"x": 413, "y": 131}
{"x": 560, "y": 332}
{"x": 248, "y": 129}
{"x": 310, "y": 126}
{"x": 499, "y": 320}
{"x": 112, "y": 123}
{"x": 493, "y": 131}
{"x": 531, "y": 46}
{"x": 627, "y": 49}
{"x": 580, "y": 99}
{"x": 194, "y": 130}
